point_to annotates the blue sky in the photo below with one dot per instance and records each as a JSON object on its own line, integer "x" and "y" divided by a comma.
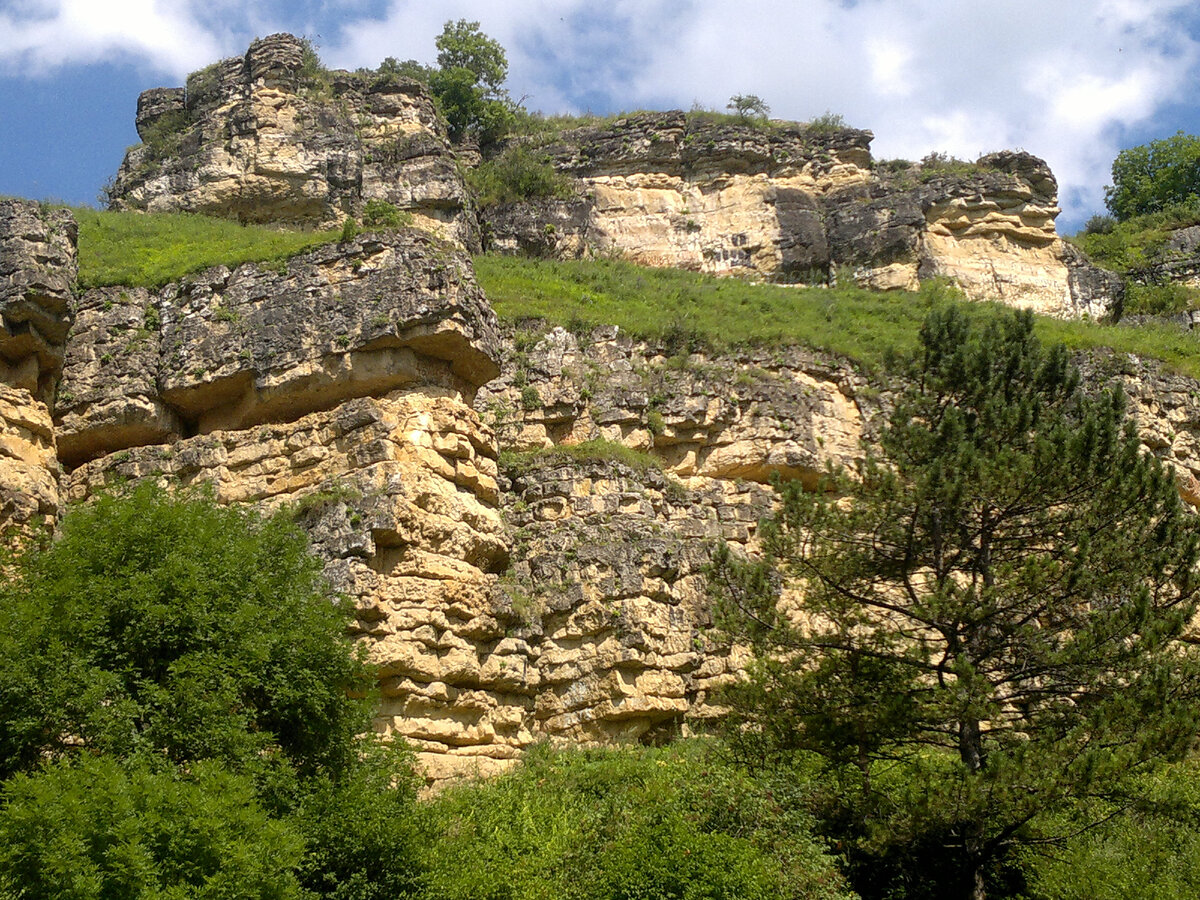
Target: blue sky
{"x": 1069, "y": 80}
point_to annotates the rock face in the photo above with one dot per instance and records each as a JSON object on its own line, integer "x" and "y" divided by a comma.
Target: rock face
{"x": 557, "y": 590}
{"x": 37, "y": 270}
{"x": 272, "y": 137}
{"x": 796, "y": 204}
{"x": 226, "y": 349}
{"x": 789, "y": 413}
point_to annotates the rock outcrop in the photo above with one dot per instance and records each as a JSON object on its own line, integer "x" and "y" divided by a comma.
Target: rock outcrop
{"x": 556, "y": 590}
{"x": 231, "y": 349}
{"x": 37, "y": 271}
{"x": 793, "y": 203}
{"x": 273, "y": 137}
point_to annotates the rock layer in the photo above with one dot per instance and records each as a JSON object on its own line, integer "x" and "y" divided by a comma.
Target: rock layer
{"x": 37, "y": 270}
{"x": 230, "y": 349}
{"x": 273, "y": 137}
{"x": 797, "y": 204}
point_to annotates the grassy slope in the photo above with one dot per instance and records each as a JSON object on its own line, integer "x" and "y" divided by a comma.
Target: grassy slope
{"x": 723, "y": 312}
{"x": 139, "y": 250}
{"x": 685, "y": 308}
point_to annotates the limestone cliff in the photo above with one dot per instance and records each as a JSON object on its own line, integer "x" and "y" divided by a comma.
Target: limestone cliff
{"x": 272, "y": 137}
{"x": 510, "y": 588}
{"x": 37, "y": 270}
{"x": 795, "y": 203}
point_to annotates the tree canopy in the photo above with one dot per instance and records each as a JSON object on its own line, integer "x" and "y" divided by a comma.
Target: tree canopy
{"x": 1155, "y": 176}
{"x": 983, "y": 624}
{"x": 178, "y": 627}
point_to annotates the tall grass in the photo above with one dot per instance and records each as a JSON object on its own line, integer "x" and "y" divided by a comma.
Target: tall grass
{"x": 689, "y": 310}
{"x": 151, "y": 249}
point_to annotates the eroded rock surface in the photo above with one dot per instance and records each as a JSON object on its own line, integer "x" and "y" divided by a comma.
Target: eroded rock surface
{"x": 787, "y": 412}
{"x": 271, "y": 137}
{"x": 37, "y": 271}
{"x": 230, "y": 349}
{"x": 796, "y": 204}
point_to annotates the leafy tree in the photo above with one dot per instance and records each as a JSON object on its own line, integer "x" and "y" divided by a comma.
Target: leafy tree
{"x": 748, "y": 107}
{"x": 1155, "y": 176}
{"x": 93, "y": 830}
{"x": 987, "y": 618}
{"x": 468, "y": 83}
{"x": 177, "y": 627}
{"x": 461, "y": 45}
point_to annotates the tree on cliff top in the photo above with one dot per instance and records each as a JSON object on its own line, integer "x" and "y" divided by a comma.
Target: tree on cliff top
{"x": 990, "y": 616}
{"x": 1152, "y": 177}
{"x": 469, "y": 83}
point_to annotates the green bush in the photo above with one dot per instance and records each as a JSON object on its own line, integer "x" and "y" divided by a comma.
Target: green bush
{"x": 1160, "y": 299}
{"x": 633, "y": 823}
{"x": 181, "y": 629}
{"x": 379, "y": 214}
{"x": 518, "y": 173}
{"x": 93, "y": 830}
{"x": 360, "y": 830}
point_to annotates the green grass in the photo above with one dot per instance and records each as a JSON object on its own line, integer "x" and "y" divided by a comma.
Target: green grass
{"x": 1137, "y": 242}
{"x": 691, "y": 311}
{"x": 596, "y": 450}
{"x": 148, "y": 250}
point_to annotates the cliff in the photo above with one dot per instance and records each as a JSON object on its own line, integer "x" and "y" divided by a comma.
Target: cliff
{"x": 274, "y": 137}
{"x": 797, "y": 203}
{"x": 521, "y": 514}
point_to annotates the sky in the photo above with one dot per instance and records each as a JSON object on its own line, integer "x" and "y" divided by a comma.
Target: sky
{"x": 1072, "y": 81}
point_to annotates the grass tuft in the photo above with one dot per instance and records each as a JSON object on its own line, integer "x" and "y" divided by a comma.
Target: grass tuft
{"x": 595, "y": 450}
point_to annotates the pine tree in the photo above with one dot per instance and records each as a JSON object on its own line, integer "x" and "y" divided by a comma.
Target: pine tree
{"x": 981, "y": 625}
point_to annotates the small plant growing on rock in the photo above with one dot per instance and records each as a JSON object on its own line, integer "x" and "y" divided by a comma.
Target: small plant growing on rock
{"x": 748, "y": 107}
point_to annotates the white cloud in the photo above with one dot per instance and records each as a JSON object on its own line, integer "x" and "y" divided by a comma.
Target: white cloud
{"x": 38, "y": 37}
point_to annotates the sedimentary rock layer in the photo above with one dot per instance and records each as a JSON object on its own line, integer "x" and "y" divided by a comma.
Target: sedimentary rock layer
{"x": 273, "y": 137}
{"x": 797, "y": 204}
{"x": 229, "y": 349}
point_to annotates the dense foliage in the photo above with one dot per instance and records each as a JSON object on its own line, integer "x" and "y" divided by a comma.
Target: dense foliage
{"x": 1153, "y": 177}
{"x": 991, "y": 615}
{"x": 517, "y": 173}
{"x": 607, "y": 824}
{"x": 95, "y": 829}
{"x": 189, "y": 631}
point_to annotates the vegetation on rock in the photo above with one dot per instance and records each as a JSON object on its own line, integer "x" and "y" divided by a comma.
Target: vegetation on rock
{"x": 991, "y": 615}
{"x": 683, "y": 309}
{"x": 517, "y": 173}
{"x": 150, "y": 249}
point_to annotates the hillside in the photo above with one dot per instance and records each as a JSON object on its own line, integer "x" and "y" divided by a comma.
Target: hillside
{"x": 517, "y": 429}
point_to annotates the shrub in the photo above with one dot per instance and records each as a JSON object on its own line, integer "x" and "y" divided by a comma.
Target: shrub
{"x": 94, "y": 830}
{"x": 518, "y": 173}
{"x": 674, "y": 823}
{"x": 827, "y": 121}
{"x": 1159, "y": 299}
{"x": 179, "y": 628}
{"x": 381, "y": 214}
